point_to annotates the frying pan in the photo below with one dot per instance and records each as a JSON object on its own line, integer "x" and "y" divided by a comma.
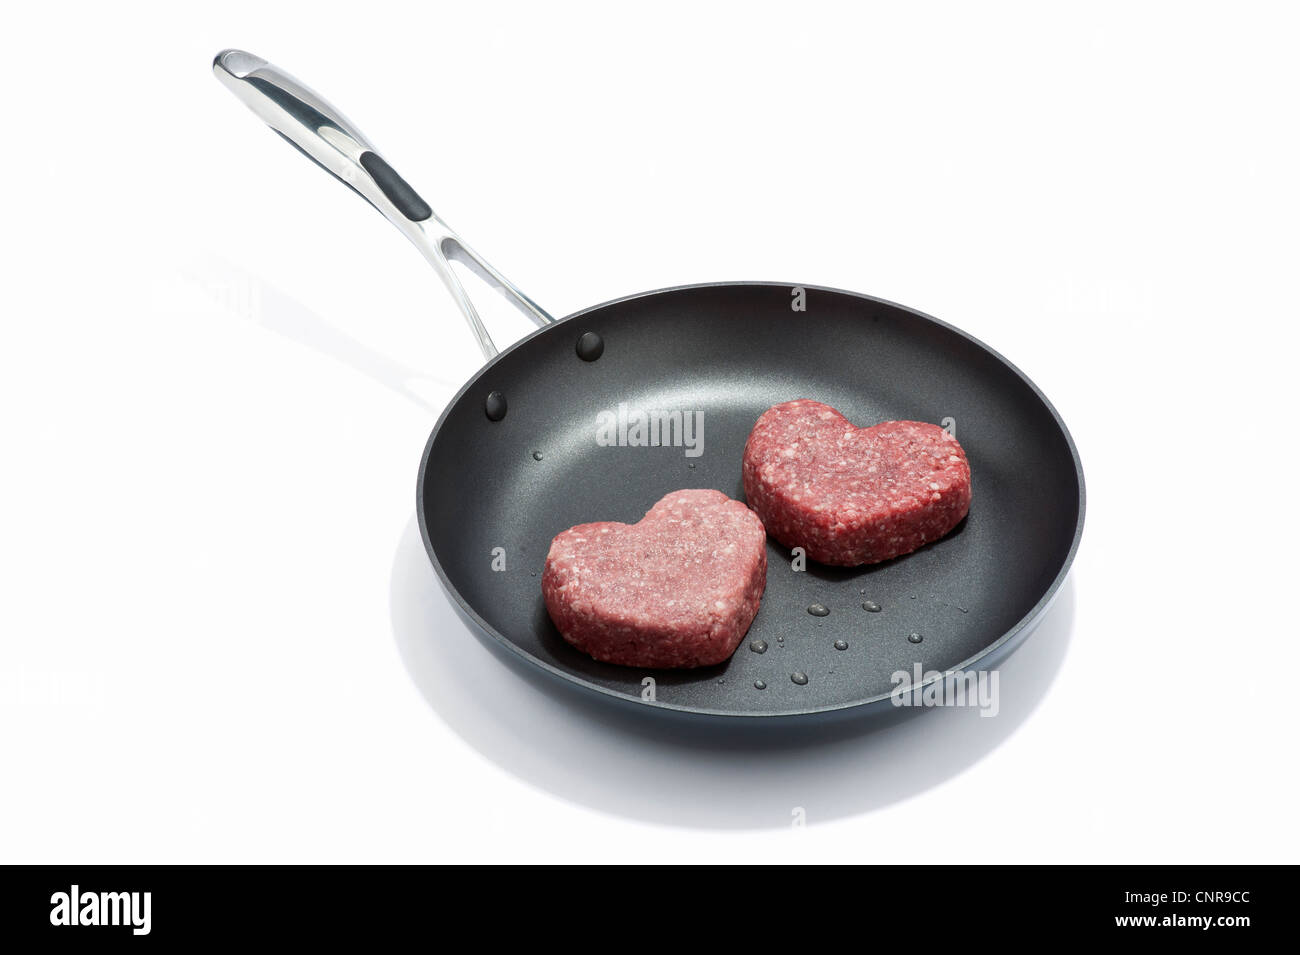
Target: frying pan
{"x": 516, "y": 458}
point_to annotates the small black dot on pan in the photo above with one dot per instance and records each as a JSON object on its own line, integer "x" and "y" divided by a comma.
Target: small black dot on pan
{"x": 495, "y": 406}
{"x": 590, "y": 346}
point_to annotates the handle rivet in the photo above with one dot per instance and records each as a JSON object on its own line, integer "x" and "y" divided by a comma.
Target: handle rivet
{"x": 495, "y": 406}
{"x": 590, "y": 346}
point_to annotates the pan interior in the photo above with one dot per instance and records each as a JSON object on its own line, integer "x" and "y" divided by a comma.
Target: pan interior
{"x": 723, "y": 354}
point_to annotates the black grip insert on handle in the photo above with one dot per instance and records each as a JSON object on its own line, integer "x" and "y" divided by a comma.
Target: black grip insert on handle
{"x": 397, "y": 190}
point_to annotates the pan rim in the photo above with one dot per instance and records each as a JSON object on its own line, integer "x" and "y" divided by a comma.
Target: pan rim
{"x": 1005, "y": 643}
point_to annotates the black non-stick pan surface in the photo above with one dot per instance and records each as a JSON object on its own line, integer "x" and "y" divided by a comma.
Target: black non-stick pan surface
{"x": 515, "y": 459}
{"x": 729, "y": 352}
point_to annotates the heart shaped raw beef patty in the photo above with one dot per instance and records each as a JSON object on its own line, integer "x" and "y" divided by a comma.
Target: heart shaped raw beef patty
{"x": 850, "y": 495}
{"x": 679, "y": 588}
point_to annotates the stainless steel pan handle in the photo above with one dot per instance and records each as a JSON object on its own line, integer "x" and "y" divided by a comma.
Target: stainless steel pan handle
{"x": 325, "y": 136}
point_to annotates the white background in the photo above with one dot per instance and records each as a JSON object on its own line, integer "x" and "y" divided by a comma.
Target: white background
{"x": 219, "y": 637}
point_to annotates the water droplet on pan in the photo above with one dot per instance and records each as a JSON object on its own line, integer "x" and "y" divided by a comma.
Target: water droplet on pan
{"x": 870, "y": 606}
{"x": 818, "y": 610}
{"x": 914, "y": 638}
{"x": 758, "y": 646}
{"x": 537, "y": 455}
{"x": 841, "y": 645}
{"x": 799, "y": 677}
{"x": 760, "y": 685}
